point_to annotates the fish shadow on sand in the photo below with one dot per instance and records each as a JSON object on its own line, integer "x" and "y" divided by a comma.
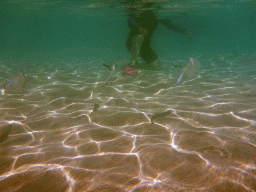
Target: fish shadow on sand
{"x": 5, "y": 132}
{"x": 160, "y": 116}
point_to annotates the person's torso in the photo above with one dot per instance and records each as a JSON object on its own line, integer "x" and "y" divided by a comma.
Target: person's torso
{"x": 144, "y": 19}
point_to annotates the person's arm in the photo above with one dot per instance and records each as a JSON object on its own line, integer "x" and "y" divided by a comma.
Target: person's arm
{"x": 172, "y": 26}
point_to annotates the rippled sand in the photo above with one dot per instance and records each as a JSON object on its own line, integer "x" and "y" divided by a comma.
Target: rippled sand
{"x": 56, "y": 143}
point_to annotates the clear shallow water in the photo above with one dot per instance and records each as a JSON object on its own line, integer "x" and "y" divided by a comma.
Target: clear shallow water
{"x": 207, "y": 143}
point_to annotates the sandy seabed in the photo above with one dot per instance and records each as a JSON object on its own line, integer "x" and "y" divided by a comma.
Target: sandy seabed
{"x": 51, "y": 140}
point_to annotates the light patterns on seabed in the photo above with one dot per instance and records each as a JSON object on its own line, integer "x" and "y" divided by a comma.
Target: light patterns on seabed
{"x": 206, "y": 142}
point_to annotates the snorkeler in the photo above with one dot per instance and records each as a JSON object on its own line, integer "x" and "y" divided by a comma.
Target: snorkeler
{"x": 143, "y": 23}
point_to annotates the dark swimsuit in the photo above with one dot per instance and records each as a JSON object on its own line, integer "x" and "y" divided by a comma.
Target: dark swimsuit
{"x": 148, "y": 21}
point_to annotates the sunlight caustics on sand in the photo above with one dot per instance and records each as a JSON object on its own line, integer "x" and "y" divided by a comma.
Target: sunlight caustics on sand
{"x": 206, "y": 142}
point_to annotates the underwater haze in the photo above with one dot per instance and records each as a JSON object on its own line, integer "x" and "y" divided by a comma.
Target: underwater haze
{"x": 69, "y": 130}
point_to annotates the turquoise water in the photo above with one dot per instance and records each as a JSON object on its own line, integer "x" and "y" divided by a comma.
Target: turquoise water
{"x": 51, "y": 141}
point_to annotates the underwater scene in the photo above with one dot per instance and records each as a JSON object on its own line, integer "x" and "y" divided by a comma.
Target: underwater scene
{"x": 127, "y": 96}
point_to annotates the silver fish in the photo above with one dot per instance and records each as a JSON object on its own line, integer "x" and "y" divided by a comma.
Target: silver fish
{"x": 112, "y": 70}
{"x": 15, "y": 84}
{"x": 191, "y": 68}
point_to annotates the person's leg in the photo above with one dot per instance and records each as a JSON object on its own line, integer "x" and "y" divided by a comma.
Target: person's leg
{"x": 150, "y": 57}
{"x": 133, "y": 44}
{"x": 136, "y": 47}
{"x": 156, "y": 65}
{"x": 129, "y": 42}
